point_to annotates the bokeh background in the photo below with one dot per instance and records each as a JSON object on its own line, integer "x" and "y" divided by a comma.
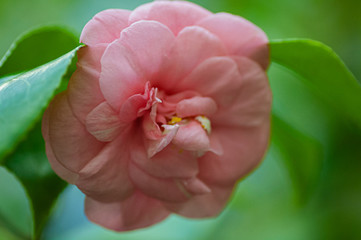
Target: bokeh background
{"x": 276, "y": 201}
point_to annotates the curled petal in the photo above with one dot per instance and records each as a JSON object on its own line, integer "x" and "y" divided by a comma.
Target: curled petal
{"x": 175, "y": 15}
{"x": 105, "y": 27}
{"x": 138, "y": 211}
{"x": 196, "y": 106}
{"x": 240, "y": 36}
{"x": 192, "y": 137}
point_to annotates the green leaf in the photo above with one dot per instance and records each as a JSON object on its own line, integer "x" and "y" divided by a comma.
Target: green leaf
{"x": 36, "y": 48}
{"x": 323, "y": 72}
{"x": 24, "y": 96}
{"x": 302, "y": 156}
{"x": 30, "y": 164}
{"x": 16, "y": 220}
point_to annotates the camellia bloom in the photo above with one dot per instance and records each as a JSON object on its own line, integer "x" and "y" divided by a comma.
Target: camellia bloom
{"x": 168, "y": 108}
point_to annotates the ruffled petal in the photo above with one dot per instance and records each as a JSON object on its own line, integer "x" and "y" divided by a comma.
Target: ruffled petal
{"x": 196, "y": 106}
{"x": 192, "y": 137}
{"x": 165, "y": 189}
{"x": 203, "y": 206}
{"x": 103, "y": 123}
{"x": 72, "y": 145}
{"x": 243, "y": 150}
{"x": 192, "y": 46}
{"x": 216, "y": 77}
{"x": 105, "y": 26}
{"x": 170, "y": 162}
{"x": 83, "y": 90}
{"x": 175, "y": 15}
{"x": 63, "y": 172}
{"x": 240, "y": 36}
{"x": 138, "y": 211}
{"x": 129, "y": 62}
{"x": 252, "y": 105}
{"x": 105, "y": 178}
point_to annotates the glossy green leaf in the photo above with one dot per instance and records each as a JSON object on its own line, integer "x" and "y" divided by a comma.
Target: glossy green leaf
{"x": 36, "y": 48}
{"x": 16, "y": 220}
{"x": 323, "y": 72}
{"x": 30, "y": 164}
{"x": 24, "y": 96}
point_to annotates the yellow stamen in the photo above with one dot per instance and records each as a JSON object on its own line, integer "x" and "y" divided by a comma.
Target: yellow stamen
{"x": 174, "y": 120}
{"x": 205, "y": 122}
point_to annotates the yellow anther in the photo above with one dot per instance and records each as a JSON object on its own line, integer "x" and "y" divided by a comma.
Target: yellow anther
{"x": 205, "y": 122}
{"x": 174, "y": 120}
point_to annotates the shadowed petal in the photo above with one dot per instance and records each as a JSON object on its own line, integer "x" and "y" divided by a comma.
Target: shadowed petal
{"x": 192, "y": 137}
{"x": 196, "y": 106}
{"x": 203, "y": 206}
{"x": 72, "y": 144}
{"x": 138, "y": 211}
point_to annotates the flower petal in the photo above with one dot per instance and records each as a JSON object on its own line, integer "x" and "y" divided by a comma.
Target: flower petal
{"x": 252, "y": 105}
{"x": 138, "y": 211}
{"x": 196, "y": 106}
{"x": 149, "y": 42}
{"x": 216, "y": 77}
{"x": 105, "y": 178}
{"x": 72, "y": 144}
{"x": 165, "y": 189}
{"x": 175, "y": 15}
{"x": 62, "y": 171}
{"x": 192, "y": 137}
{"x": 83, "y": 90}
{"x": 105, "y": 27}
{"x": 240, "y": 36}
{"x": 243, "y": 150}
{"x": 202, "y": 206}
{"x": 170, "y": 162}
{"x": 103, "y": 123}
{"x": 192, "y": 46}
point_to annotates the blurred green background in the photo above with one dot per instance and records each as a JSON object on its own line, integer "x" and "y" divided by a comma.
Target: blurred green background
{"x": 276, "y": 201}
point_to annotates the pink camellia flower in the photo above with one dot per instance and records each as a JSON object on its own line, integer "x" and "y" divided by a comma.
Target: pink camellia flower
{"x": 168, "y": 108}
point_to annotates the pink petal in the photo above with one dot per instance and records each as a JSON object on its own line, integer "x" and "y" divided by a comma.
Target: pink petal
{"x": 192, "y": 46}
{"x": 170, "y": 162}
{"x": 156, "y": 145}
{"x": 192, "y": 137}
{"x": 243, "y": 150}
{"x": 196, "y": 106}
{"x": 130, "y": 108}
{"x": 165, "y": 189}
{"x": 175, "y": 15}
{"x": 240, "y": 36}
{"x": 252, "y": 105}
{"x": 138, "y": 211}
{"x": 62, "y": 171}
{"x": 105, "y": 177}
{"x": 72, "y": 145}
{"x": 216, "y": 77}
{"x": 105, "y": 27}
{"x": 129, "y": 62}
{"x": 83, "y": 91}
{"x": 202, "y": 206}
{"x": 103, "y": 123}
{"x": 149, "y": 42}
